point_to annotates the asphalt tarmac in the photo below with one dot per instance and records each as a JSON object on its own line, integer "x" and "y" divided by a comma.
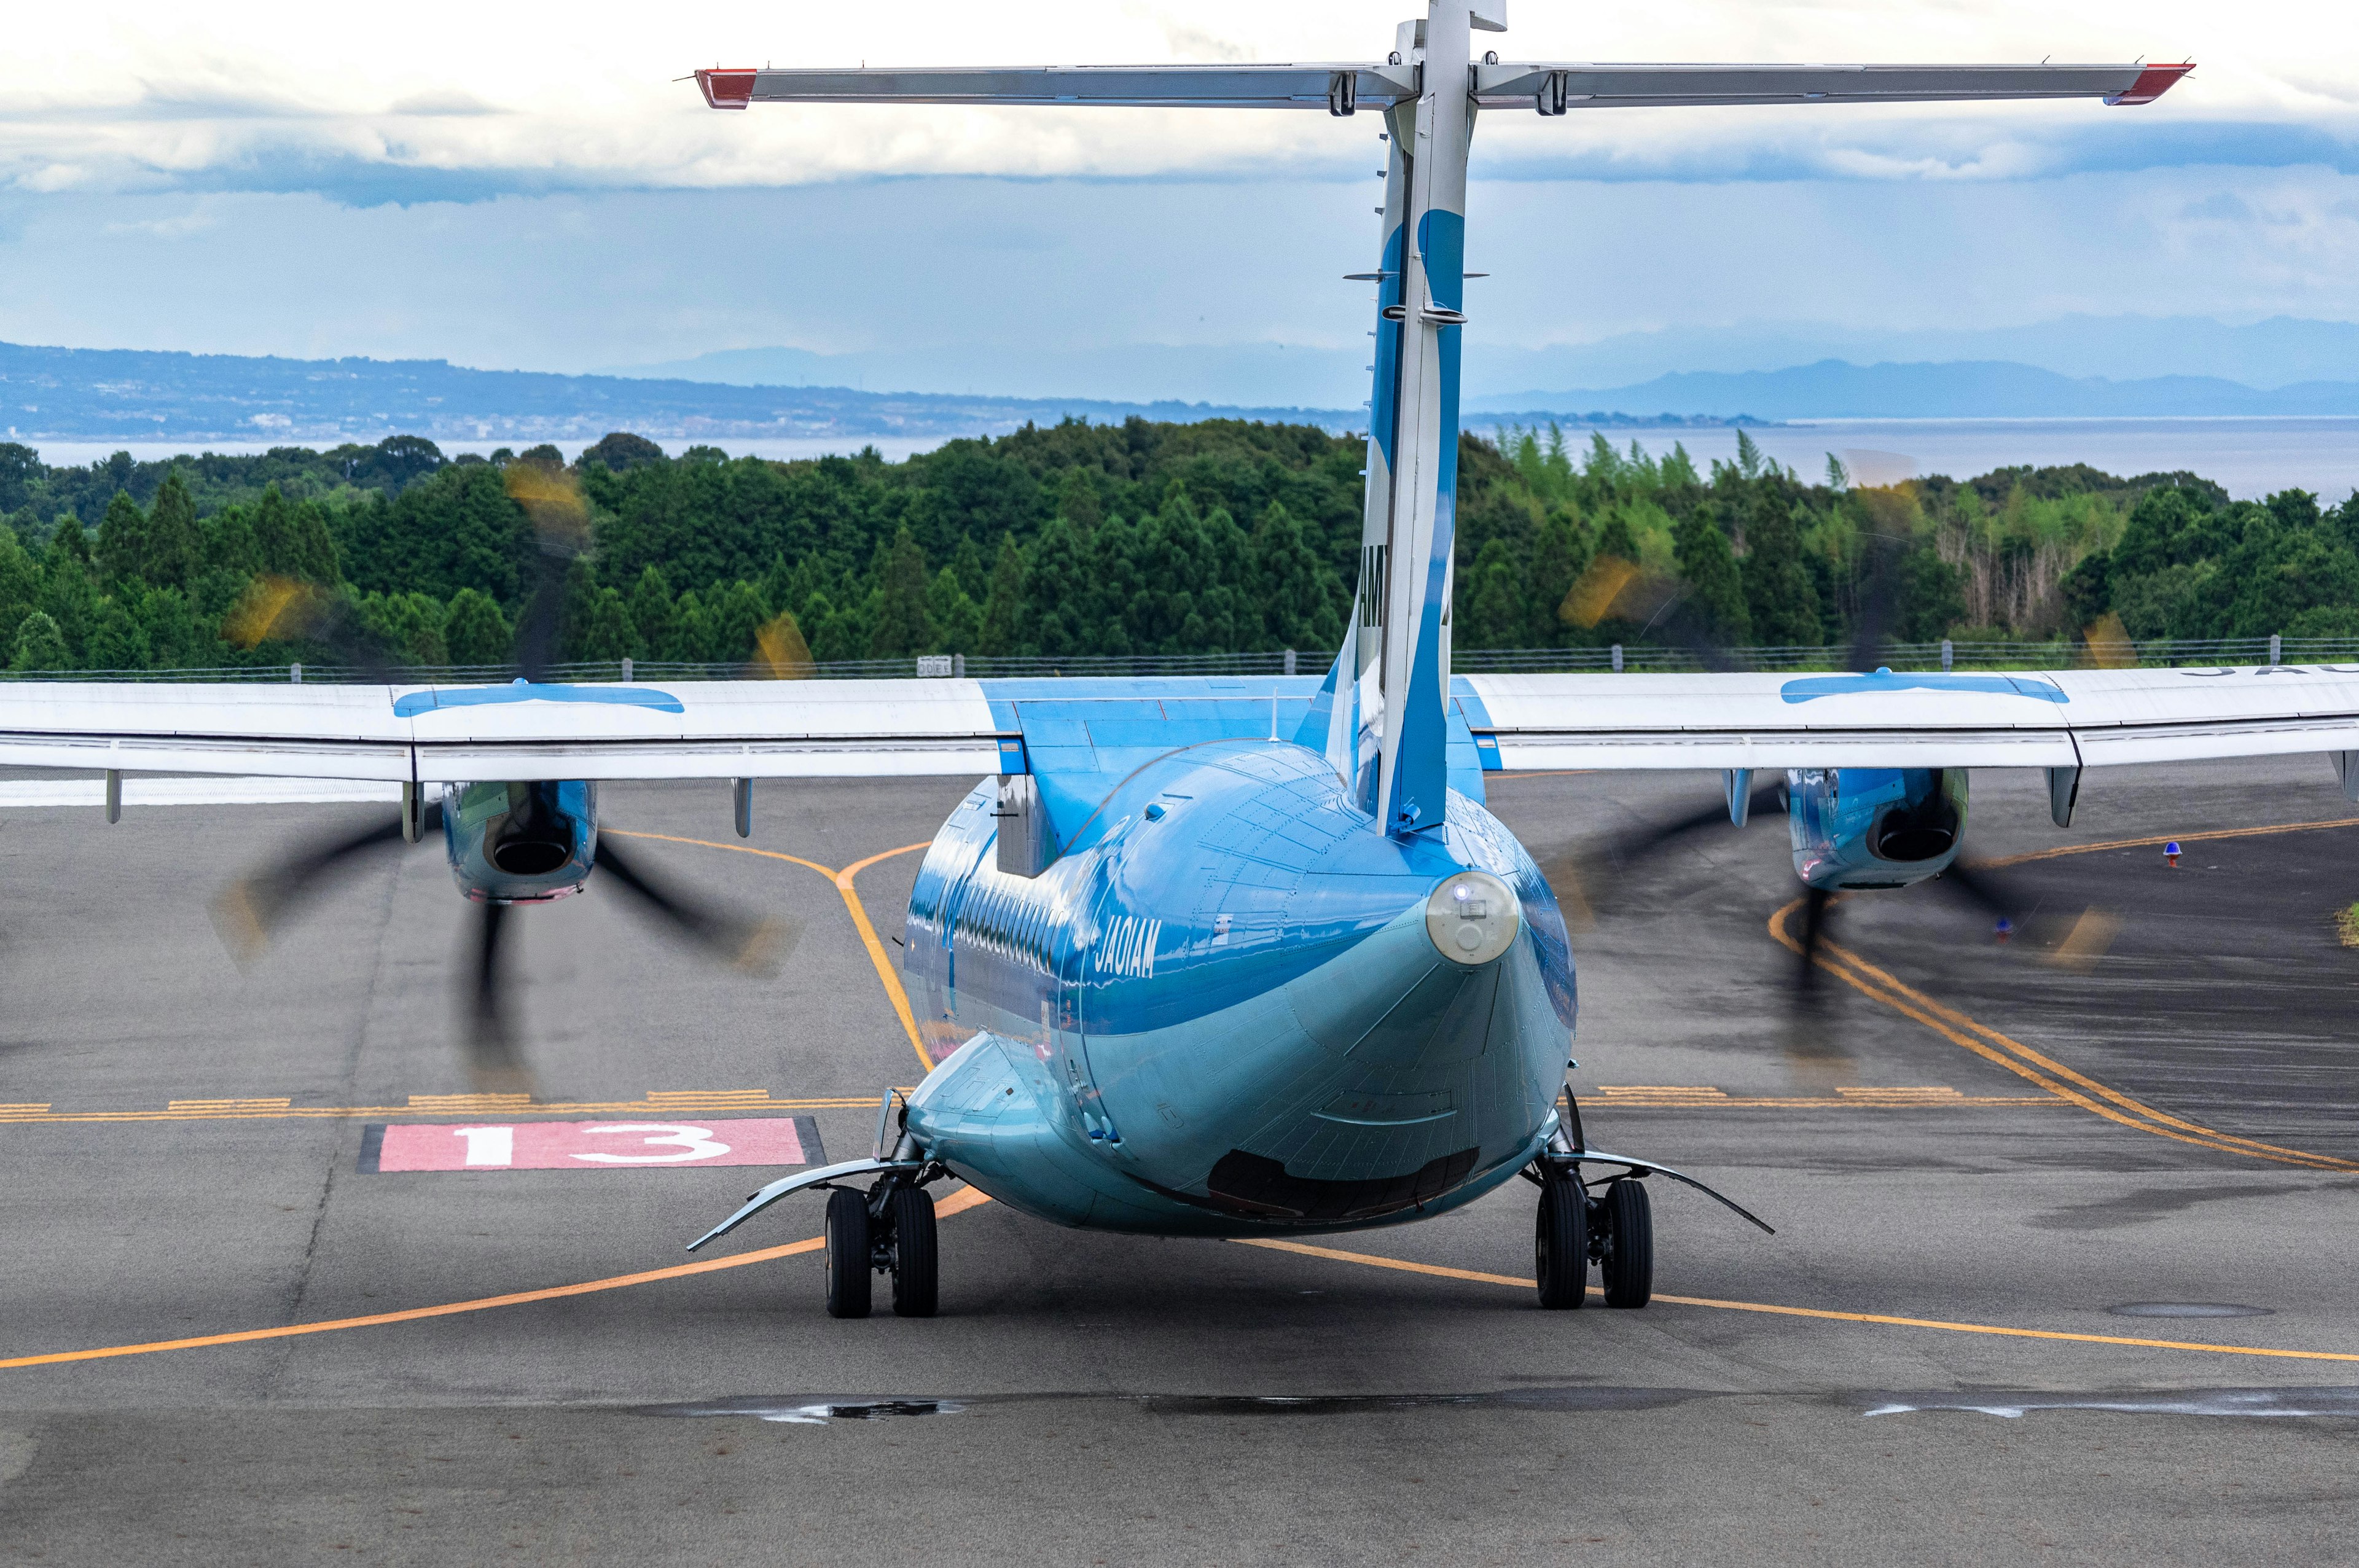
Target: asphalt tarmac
{"x": 1975, "y": 1156}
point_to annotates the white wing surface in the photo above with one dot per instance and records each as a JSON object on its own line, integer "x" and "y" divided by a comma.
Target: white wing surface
{"x": 2065, "y": 718}
{"x": 908, "y": 728}
{"x": 695, "y": 730}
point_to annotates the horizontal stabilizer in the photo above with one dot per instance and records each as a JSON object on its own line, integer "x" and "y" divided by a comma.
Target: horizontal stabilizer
{"x": 1338, "y": 88}
{"x": 1556, "y": 87}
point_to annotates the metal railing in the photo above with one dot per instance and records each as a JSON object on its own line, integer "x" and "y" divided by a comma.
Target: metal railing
{"x": 1954, "y": 654}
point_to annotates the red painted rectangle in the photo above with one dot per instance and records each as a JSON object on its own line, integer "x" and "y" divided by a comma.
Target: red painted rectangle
{"x": 589, "y": 1145}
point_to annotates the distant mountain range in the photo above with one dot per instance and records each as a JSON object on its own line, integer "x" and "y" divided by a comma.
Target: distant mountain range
{"x": 1833, "y": 389}
{"x": 133, "y": 394}
{"x": 105, "y": 395}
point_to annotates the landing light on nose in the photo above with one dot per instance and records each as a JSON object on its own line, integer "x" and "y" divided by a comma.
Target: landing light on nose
{"x": 1472, "y": 918}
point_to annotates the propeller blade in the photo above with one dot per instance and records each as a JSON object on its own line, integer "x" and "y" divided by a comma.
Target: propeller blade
{"x": 1984, "y": 892}
{"x": 1577, "y": 867}
{"x": 551, "y": 498}
{"x": 276, "y": 607}
{"x": 249, "y": 911}
{"x": 756, "y": 945}
{"x": 1878, "y": 610}
{"x": 1814, "y": 924}
{"x": 493, "y": 1062}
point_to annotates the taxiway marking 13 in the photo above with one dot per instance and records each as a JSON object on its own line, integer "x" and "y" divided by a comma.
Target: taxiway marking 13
{"x": 589, "y": 1145}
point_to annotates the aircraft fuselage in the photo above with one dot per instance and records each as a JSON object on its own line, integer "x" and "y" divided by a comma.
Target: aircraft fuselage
{"x": 1232, "y": 1005}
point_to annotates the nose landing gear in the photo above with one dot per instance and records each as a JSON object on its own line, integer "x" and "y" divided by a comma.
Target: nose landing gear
{"x": 1615, "y": 1230}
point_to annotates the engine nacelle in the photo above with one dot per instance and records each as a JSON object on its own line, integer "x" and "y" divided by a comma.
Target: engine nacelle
{"x": 520, "y": 842}
{"x": 1874, "y": 828}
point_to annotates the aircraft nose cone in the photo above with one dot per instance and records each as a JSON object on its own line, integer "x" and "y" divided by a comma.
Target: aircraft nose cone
{"x": 1472, "y": 918}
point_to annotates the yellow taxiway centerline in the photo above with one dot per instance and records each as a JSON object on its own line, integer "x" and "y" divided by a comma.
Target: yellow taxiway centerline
{"x": 957, "y": 1203}
{"x": 1372, "y": 1260}
{"x": 968, "y": 1198}
{"x": 842, "y": 881}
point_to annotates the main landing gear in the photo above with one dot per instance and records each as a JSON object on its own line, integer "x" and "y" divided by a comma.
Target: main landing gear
{"x": 1608, "y": 1221}
{"x": 1616, "y": 1232}
{"x": 890, "y": 1232}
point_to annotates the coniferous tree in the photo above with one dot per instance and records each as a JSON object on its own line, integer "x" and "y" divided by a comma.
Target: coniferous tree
{"x": 651, "y": 612}
{"x": 1057, "y": 591}
{"x": 121, "y": 552}
{"x": 20, "y": 586}
{"x": 274, "y": 533}
{"x": 1002, "y": 631}
{"x": 1715, "y": 596}
{"x": 1561, "y": 552}
{"x": 1783, "y": 606}
{"x": 175, "y": 640}
{"x": 1494, "y": 615}
{"x": 475, "y": 632}
{"x": 685, "y": 641}
{"x": 175, "y": 543}
{"x": 115, "y": 640}
{"x": 1077, "y": 500}
{"x": 1292, "y": 586}
{"x": 1109, "y": 587}
{"x": 903, "y": 624}
{"x": 228, "y": 541}
{"x": 606, "y": 632}
{"x": 1616, "y": 540}
{"x": 1169, "y": 577}
{"x": 954, "y": 616}
{"x": 68, "y": 596}
{"x": 734, "y": 623}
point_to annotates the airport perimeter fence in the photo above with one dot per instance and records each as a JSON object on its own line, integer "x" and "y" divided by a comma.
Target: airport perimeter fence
{"x": 1909, "y": 657}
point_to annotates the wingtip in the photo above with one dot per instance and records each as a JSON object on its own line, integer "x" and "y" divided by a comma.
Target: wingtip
{"x": 727, "y": 87}
{"x": 2152, "y": 82}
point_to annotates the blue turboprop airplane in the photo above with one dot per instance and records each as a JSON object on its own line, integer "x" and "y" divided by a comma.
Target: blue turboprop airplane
{"x": 1245, "y": 956}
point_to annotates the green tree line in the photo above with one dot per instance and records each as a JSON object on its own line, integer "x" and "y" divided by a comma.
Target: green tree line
{"x": 1138, "y": 538}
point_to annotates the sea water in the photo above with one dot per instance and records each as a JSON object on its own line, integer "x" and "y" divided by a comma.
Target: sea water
{"x": 2253, "y": 458}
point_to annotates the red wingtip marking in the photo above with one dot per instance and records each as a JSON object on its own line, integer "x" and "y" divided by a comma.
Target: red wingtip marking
{"x": 734, "y": 89}
{"x": 2152, "y": 83}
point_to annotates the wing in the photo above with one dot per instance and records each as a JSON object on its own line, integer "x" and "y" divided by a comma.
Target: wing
{"x": 2065, "y": 718}
{"x": 696, "y": 730}
{"x": 1554, "y": 89}
{"x": 1335, "y": 88}
{"x": 965, "y": 728}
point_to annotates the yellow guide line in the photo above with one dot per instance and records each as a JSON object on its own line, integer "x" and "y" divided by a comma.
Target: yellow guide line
{"x": 2167, "y": 837}
{"x": 2058, "y": 1079}
{"x": 957, "y": 1203}
{"x": 842, "y": 881}
{"x": 1372, "y": 1260}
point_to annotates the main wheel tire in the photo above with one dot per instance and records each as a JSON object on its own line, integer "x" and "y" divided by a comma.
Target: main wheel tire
{"x": 847, "y": 1254}
{"x": 1561, "y": 1243}
{"x": 916, "y": 1273}
{"x": 1629, "y": 1266}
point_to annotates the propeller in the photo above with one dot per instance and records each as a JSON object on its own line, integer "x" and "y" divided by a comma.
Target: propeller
{"x": 252, "y": 910}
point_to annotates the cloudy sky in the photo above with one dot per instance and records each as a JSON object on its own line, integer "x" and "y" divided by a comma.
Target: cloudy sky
{"x": 523, "y": 186}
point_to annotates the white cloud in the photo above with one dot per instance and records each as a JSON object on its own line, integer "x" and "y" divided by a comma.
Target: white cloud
{"x": 128, "y": 95}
